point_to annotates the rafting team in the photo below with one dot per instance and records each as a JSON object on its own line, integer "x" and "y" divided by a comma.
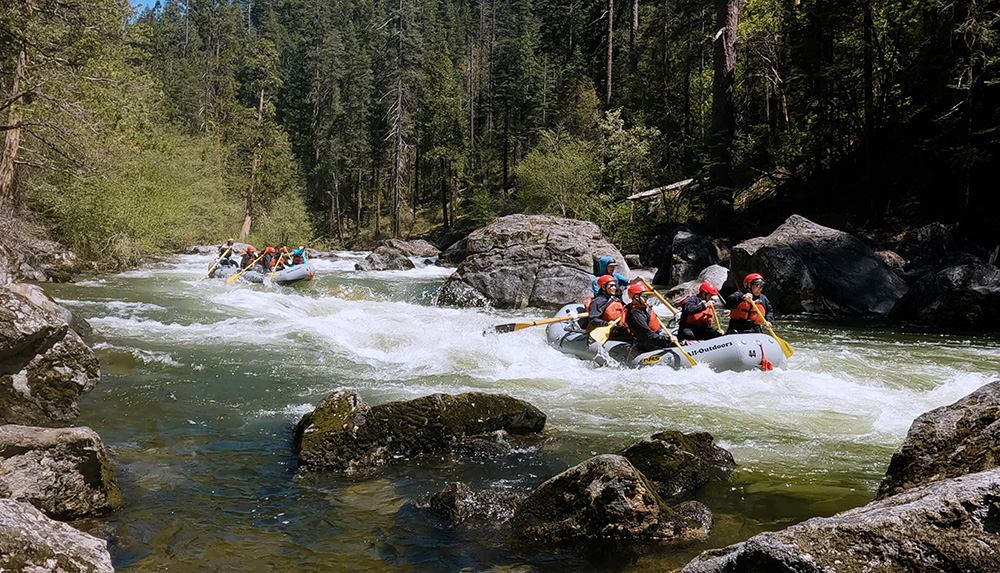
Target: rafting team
{"x": 270, "y": 260}
{"x": 748, "y": 310}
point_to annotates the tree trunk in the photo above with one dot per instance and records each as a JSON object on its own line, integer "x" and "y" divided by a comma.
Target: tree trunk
{"x": 398, "y": 151}
{"x": 611, "y": 28}
{"x": 506, "y": 137}
{"x": 444, "y": 195}
{"x": 12, "y": 140}
{"x": 872, "y": 191}
{"x": 633, "y": 36}
{"x": 723, "y": 128}
{"x": 254, "y": 165}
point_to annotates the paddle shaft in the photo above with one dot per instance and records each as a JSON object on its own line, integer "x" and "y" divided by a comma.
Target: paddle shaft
{"x": 785, "y": 347}
{"x": 212, "y": 268}
{"x": 673, "y": 338}
{"x": 511, "y": 327}
{"x": 233, "y": 278}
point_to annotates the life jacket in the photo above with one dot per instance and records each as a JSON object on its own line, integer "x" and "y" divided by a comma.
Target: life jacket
{"x": 703, "y": 318}
{"x": 745, "y": 311}
{"x": 614, "y": 311}
{"x": 654, "y": 321}
{"x": 297, "y": 260}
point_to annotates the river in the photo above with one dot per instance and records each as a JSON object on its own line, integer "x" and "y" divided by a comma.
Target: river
{"x": 203, "y": 381}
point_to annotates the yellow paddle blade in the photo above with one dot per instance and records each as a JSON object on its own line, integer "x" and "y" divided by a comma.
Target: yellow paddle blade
{"x": 677, "y": 343}
{"x": 785, "y": 347}
{"x": 601, "y": 333}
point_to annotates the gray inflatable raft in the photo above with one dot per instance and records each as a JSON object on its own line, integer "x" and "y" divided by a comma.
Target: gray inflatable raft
{"x": 291, "y": 275}
{"x": 733, "y": 352}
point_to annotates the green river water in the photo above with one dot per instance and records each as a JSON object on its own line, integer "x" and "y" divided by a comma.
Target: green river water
{"x": 202, "y": 382}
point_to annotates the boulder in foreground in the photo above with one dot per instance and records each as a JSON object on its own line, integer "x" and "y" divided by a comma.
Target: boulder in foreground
{"x": 30, "y": 541}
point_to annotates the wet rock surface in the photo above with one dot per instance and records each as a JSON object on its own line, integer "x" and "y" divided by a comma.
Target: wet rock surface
{"x": 950, "y": 525}
{"x": 679, "y": 463}
{"x": 345, "y": 433}
{"x": 947, "y": 442}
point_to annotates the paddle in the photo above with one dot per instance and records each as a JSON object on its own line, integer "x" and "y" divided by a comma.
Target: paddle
{"x": 274, "y": 274}
{"x": 502, "y": 328}
{"x": 672, "y": 337}
{"x": 785, "y": 347}
{"x": 212, "y": 268}
{"x": 602, "y": 333}
{"x": 233, "y": 278}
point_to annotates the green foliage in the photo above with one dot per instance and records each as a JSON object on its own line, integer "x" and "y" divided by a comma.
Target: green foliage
{"x": 158, "y": 199}
{"x": 626, "y": 154}
{"x": 558, "y": 177}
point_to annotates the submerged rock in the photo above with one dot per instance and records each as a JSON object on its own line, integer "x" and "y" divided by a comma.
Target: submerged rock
{"x": 63, "y": 472}
{"x": 345, "y": 433}
{"x": 950, "y": 525}
{"x": 947, "y": 442}
{"x": 30, "y": 541}
{"x": 812, "y": 268}
{"x": 604, "y": 497}
{"x": 679, "y": 463}
{"x": 44, "y": 364}
{"x": 459, "y": 504}
{"x": 528, "y": 260}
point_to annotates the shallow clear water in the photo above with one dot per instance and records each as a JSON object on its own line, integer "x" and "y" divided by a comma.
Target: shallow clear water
{"x": 202, "y": 382}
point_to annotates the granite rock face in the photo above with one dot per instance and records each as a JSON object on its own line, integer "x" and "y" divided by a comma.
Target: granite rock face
{"x": 32, "y": 542}
{"x": 949, "y": 525}
{"x": 528, "y": 260}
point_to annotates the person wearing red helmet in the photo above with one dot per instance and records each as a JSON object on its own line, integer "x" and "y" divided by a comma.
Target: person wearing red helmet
{"x": 743, "y": 315}
{"x": 642, "y": 322}
{"x": 606, "y": 307}
{"x": 270, "y": 257}
{"x": 248, "y": 257}
{"x": 698, "y": 315}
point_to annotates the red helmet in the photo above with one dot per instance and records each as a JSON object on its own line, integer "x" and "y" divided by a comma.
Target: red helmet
{"x": 250, "y": 249}
{"x": 752, "y": 277}
{"x": 636, "y": 289}
{"x": 708, "y": 288}
{"x": 605, "y": 279}
{"x": 269, "y": 250}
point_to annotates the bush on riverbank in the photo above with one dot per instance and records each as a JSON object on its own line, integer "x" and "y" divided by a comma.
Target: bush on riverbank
{"x": 157, "y": 199}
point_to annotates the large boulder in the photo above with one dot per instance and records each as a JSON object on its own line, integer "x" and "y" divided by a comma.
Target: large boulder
{"x": 345, "y": 433}
{"x": 714, "y": 274}
{"x": 30, "y": 541}
{"x": 385, "y": 258}
{"x": 63, "y": 472}
{"x": 812, "y": 268}
{"x": 679, "y": 463}
{"x": 963, "y": 295}
{"x": 950, "y": 525}
{"x": 681, "y": 255}
{"x": 528, "y": 260}
{"x": 947, "y": 442}
{"x": 44, "y": 364}
{"x": 604, "y": 497}
{"x": 36, "y": 295}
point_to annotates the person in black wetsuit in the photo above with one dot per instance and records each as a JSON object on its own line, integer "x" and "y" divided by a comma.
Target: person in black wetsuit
{"x": 643, "y": 323}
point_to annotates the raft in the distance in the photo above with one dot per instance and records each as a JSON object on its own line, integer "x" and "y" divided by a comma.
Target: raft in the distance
{"x": 732, "y": 352}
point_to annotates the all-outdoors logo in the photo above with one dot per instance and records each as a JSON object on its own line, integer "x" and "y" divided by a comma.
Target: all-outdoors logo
{"x": 710, "y": 348}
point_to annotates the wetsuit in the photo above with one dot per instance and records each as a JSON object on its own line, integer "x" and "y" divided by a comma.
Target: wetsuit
{"x": 640, "y": 321}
